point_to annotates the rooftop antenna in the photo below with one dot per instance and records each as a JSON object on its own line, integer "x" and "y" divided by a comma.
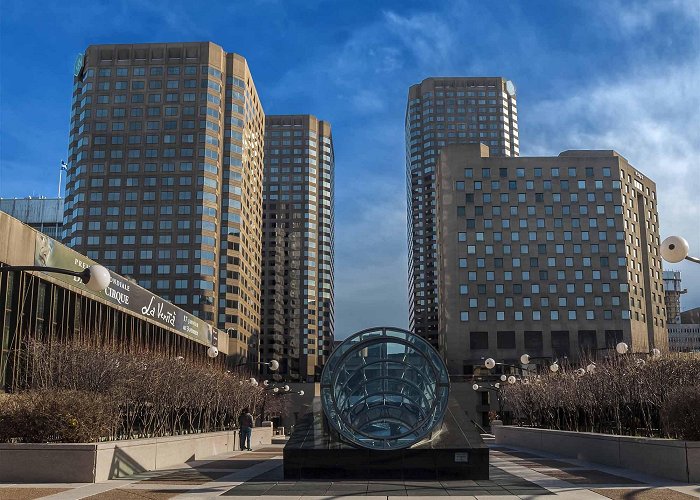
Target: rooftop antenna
{"x": 64, "y": 166}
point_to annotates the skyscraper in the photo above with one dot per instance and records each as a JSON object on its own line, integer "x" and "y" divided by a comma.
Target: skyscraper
{"x": 443, "y": 111}
{"x": 164, "y": 179}
{"x": 546, "y": 256}
{"x": 298, "y": 252}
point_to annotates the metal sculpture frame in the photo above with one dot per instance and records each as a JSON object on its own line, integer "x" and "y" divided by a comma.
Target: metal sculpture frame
{"x": 392, "y": 410}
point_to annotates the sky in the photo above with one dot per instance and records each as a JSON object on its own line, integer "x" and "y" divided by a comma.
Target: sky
{"x": 608, "y": 74}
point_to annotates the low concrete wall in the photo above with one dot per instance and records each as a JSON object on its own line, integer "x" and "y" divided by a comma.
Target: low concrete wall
{"x": 47, "y": 463}
{"x": 94, "y": 462}
{"x": 668, "y": 458}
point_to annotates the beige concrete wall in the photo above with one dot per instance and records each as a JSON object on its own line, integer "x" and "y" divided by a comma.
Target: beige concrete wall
{"x": 667, "y": 458}
{"x": 95, "y": 462}
{"x": 47, "y": 463}
{"x": 17, "y": 242}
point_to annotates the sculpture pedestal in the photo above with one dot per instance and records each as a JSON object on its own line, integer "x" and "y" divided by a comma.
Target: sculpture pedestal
{"x": 457, "y": 451}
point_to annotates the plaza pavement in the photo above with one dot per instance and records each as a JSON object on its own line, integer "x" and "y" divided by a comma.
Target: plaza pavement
{"x": 514, "y": 474}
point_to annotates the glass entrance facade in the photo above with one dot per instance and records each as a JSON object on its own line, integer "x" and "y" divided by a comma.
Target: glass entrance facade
{"x": 385, "y": 388}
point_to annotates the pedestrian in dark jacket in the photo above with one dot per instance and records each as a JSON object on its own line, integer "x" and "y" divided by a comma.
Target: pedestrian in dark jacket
{"x": 245, "y": 423}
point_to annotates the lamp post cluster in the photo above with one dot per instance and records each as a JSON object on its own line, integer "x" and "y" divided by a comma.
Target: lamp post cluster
{"x": 528, "y": 375}
{"x": 621, "y": 348}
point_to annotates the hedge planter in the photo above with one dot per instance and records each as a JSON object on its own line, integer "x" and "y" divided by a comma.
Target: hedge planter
{"x": 94, "y": 462}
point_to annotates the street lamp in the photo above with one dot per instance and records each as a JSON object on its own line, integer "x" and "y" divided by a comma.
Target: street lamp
{"x": 525, "y": 359}
{"x": 622, "y": 348}
{"x": 675, "y": 249}
{"x": 273, "y": 364}
{"x": 495, "y": 388}
{"x": 95, "y": 277}
{"x": 212, "y": 352}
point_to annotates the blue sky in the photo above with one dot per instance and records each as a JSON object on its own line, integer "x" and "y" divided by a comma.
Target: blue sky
{"x": 612, "y": 74}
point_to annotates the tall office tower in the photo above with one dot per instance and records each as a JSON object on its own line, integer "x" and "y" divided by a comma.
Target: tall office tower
{"x": 443, "y": 111}
{"x": 298, "y": 251}
{"x": 164, "y": 178}
{"x": 549, "y": 256}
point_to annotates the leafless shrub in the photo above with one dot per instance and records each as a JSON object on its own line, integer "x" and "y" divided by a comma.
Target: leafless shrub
{"x": 624, "y": 395}
{"x": 680, "y": 414}
{"x": 66, "y": 416}
{"x": 144, "y": 394}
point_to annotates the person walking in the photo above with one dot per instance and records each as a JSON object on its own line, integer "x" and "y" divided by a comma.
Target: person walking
{"x": 245, "y": 423}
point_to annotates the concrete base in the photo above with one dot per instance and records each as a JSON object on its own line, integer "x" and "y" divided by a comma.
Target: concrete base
{"x": 95, "y": 462}
{"x": 667, "y": 458}
{"x": 455, "y": 452}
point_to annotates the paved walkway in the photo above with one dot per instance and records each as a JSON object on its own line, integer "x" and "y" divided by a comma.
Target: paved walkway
{"x": 514, "y": 474}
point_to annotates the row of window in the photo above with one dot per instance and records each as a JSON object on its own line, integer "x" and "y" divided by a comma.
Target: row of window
{"x": 153, "y": 71}
{"x": 96, "y": 196}
{"x": 117, "y": 154}
{"x": 536, "y": 315}
{"x": 153, "y": 98}
{"x": 533, "y": 342}
{"x": 146, "y": 210}
{"x": 480, "y": 236}
{"x": 146, "y": 239}
{"x": 564, "y": 185}
{"x": 150, "y": 111}
{"x": 116, "y": 168}
{"x": 97, "y": 182}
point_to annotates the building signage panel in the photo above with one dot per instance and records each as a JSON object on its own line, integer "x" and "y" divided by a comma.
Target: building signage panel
{"x": 122, "y": 292}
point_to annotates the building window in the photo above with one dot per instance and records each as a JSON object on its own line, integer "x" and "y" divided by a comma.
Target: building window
{"x": 478, "y": 340}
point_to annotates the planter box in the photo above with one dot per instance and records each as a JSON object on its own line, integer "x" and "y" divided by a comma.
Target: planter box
{"x": 94, "y": 462}
{"x": 667, "y": 458}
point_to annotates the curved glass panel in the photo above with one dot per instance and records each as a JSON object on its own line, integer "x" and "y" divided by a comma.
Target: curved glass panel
{"x": 384, "y": 388}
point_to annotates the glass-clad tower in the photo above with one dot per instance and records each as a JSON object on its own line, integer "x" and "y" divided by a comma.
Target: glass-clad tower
{"x": 164, "y": 180}
{"x": 298, "y": 245}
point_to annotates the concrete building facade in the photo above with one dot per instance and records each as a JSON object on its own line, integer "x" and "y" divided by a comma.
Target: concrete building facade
{"x": 684, "y": 337}
{"x": 439, "y": 112}
{"x": 672, "y": 296}
{"x": 549, "y": 256}
{"x": 43, "y": 214}
{"x": 164, "y": 178}
{"x": 298, "y": 245}
{"x": 49, "y": 307}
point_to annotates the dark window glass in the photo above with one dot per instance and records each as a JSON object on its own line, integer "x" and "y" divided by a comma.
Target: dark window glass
{"x": 505, "y": 340}
{"x": 587, "y": 341}
{"x": 479, "y": 340}
{"x": 560, "y": 343}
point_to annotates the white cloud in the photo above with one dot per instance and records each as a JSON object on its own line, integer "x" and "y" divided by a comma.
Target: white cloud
{"x": 650, "y": 118}
{"x": 634, "y": 16}
{"x": 428, "y": 36}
